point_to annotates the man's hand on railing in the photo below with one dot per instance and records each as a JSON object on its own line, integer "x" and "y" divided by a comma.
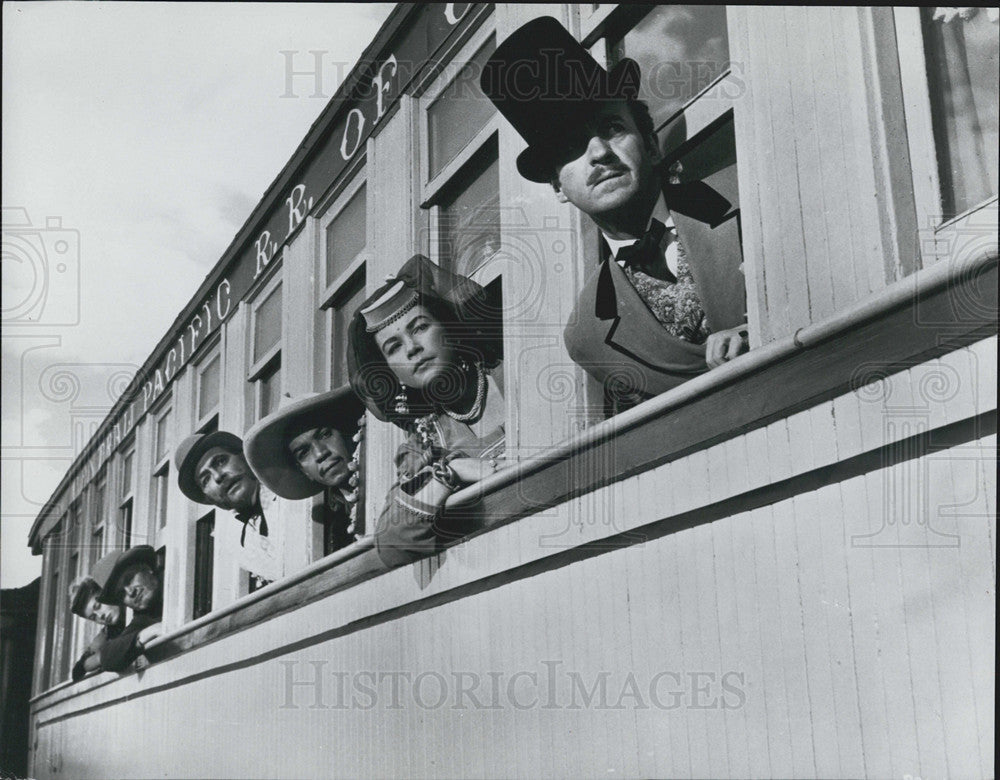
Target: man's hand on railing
{"x": 725, "y": 345}
{"x": 148, "y": 634}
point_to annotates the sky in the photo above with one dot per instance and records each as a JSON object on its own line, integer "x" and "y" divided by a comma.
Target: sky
{"x": 137, "y": 138}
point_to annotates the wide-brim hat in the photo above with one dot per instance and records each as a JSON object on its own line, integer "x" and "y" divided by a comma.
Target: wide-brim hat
{"x": 475, "y": 323}
{"x": 266, "y": 443}
{"x": 546, "y": 83}
{"x": 189, "y": 452}
{"x": 107, "y": 570}
{"x": 81, "y": 590}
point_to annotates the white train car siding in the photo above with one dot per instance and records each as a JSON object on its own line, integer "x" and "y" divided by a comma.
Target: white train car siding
{"x": 841, "y": 632}
{"x": 843, "y": 627}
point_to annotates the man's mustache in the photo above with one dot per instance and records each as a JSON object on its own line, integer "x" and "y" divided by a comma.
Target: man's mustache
{"x": 599, "y": 173}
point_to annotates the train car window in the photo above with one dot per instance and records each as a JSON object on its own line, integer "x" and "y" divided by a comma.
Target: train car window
{"x": 53, "y": 600}
{"x": 962, "y": 71}
{"x": 98, "y": 509}
{"x": 160, "y": 489}
{"x": 125, "y": 502}
{"x": 264, "y": 375}
{"x": 459, "y": 112}
{"x": 681, "y": 50}
{"x": 949, "y": 75}
{"x": 469, "y": 221}
{"x": 688, "y": 84}
{"x": 71, "y": 628}
{"x": 204, "y": 560}
{"x": 209, "y": 389}
{"x": 346, "y": 235}
{"x": 460, "y": 172}
{"x": 267, "y": 324}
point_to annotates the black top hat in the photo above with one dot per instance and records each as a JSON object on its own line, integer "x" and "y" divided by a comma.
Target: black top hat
{"x": 545, "y": 83}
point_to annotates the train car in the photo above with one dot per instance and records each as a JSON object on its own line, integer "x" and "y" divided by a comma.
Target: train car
{"x": 783, "y": 567}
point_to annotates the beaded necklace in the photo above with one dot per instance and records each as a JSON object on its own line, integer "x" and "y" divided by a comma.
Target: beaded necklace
{"x": 477, "y": 405}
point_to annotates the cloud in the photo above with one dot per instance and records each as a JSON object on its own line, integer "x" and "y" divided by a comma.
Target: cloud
{"x": 152, "y": 129}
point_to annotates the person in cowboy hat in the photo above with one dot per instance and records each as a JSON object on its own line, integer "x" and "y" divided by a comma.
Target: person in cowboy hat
{"x": 130, "y": 578}
{"x": 305, "y": 448}
{"x": 670, "y": 301}
{"x": 425, "y": 354}
{"x": 83, "y": 598}
{"x": 212, "y": 470}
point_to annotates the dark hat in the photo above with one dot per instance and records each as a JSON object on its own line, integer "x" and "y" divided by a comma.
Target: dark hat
{"x": 109, "y": 569}
{"x": 189, "y": 452}
{"x": 473, "y": 319}
{"x": 266, "y": 445}
{"x": 80, "y": 592}
{"x": 545, "y": 83}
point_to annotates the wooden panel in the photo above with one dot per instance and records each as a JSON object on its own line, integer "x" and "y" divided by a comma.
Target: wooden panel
{"x": 814, "y": 374}
{"x": 674, "y": 619}
{"x": 817, "y": 233}
{"x": 821, "y": 624}
{"x": 547, "y": 251}
{"x": 393, "y": 156}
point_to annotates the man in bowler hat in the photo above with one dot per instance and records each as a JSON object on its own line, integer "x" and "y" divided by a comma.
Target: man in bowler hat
{"x": 130, "y": 578}
{"x": 211, "y": 469}
{"x": 669, "y": 302}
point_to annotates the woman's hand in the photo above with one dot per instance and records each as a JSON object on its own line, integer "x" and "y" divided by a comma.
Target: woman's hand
{"x": 470, "y": 470}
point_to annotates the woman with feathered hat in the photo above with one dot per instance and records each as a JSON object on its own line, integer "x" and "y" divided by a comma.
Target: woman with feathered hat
{"x": 425, "y": 354}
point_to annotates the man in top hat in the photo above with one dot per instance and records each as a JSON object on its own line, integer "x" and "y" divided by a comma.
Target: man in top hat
{"x": 83, "y": 598}
{"x": 130, "y": 578}
{"x": 670, "y": 301}
{"x": 211, "y": 469}
{"x": 305, "y": 448}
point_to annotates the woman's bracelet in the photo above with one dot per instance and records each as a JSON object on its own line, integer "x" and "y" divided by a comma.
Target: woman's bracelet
{"x": 445, "y": 474}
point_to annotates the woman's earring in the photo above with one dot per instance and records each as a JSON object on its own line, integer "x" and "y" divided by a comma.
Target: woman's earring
{"x": 463, "y": 364}
{"x": 402, "y": 405}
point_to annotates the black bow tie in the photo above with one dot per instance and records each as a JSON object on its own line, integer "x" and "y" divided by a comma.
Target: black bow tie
{"x": 646, "y": 254}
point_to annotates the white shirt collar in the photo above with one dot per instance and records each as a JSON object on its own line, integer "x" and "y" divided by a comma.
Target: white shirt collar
{"x": 660, "y": 212}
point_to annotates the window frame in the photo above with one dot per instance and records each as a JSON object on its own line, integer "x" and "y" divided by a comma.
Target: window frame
{"x": 99, "y": 510}
{"x": 331, "y": 288}
{"x": 270, "y": 361}
{"x": 922, "y": 148}
{"x": 346, "y": 288}
{"x": 265, "y": 366}
{"x": 200, "y": 597}
{"x": 333, "y": 291}
{"x": 592, "y": 18}
{"x": 260, "y": 365}
{"x": 698, "y": 112}
{"x": 214, "y": 352}
{"x": 73, "y": 632}
{"x": 433, "y": 190}
{"x": 160, "y": 487}
{"x": 126, "y": 496}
